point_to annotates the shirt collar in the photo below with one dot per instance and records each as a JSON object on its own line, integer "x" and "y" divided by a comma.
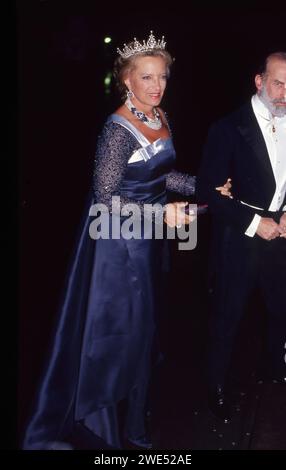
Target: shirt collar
{"x": 262, "y": 111}
{"x": 260, "y": 108}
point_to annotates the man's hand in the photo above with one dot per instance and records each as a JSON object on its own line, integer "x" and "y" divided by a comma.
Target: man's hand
{"x": 282, "y": 225}
{"x": 268, "y": 229}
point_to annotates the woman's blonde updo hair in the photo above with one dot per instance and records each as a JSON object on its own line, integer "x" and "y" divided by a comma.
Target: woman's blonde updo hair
{"x": 124, "y": 65}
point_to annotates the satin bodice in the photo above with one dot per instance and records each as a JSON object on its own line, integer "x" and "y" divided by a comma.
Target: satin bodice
{"x": 145, "y": 177}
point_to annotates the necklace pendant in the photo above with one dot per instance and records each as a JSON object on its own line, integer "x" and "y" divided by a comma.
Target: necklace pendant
{"x": 273, "y": 128}
{"x": 155, "y": 123}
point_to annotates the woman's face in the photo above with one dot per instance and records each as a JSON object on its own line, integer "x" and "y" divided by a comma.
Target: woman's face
{"x": 147, "y": 80}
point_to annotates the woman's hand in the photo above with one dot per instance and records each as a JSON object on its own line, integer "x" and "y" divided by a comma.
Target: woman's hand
{"x": 175, "y": 215}
{"x": 225, "y": 189}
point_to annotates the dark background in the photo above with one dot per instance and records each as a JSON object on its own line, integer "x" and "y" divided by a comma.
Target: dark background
{"x": 61, "y": 106}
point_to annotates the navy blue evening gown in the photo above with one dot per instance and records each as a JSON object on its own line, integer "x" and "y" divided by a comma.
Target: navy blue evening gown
{"x": 101, "y": 351}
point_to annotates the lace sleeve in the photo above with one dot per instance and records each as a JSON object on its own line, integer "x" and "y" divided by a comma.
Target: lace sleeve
{"x": 181, "y": 183}
{"x": 114, "y": 148}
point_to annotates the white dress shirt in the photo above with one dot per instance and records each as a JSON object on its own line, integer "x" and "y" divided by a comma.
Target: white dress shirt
{"x": 273, "y": 129}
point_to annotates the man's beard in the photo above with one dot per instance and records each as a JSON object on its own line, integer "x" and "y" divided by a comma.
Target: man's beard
{"x": 271, "y": 105}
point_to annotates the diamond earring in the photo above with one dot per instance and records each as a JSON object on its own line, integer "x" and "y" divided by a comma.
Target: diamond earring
{"x": 130, "y": 94}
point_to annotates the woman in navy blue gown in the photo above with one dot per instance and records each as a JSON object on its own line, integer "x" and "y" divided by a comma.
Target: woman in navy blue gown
{"x": 101, "y": 353}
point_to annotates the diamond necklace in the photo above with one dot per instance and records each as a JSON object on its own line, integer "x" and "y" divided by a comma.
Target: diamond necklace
{"x": 155, "y": 123}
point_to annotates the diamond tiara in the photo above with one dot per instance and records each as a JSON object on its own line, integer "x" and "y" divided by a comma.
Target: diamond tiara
{"x": 136, "y": 47}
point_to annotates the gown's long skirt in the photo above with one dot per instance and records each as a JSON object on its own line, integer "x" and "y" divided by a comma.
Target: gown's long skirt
{"x": 101, "y": 353}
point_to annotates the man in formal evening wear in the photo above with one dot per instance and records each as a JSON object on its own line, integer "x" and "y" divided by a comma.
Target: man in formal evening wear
{"x": 249, "y": 229}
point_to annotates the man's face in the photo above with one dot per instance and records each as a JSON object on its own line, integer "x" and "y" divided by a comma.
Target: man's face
{"x": 271, "y": 87}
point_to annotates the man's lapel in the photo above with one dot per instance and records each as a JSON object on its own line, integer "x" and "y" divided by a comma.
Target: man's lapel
{"x": 250, "y": 130}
